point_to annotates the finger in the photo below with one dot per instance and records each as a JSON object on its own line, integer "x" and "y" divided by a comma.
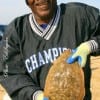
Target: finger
{"x": 79, "y": 60}
{"x": 83, "y": 62}
{"x": 71, "y": 60}
{"x": 74, "y": 50}
{"x": 45, "y": 98}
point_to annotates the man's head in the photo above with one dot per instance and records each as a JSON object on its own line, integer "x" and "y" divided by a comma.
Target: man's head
{"x": 42, "y": 9}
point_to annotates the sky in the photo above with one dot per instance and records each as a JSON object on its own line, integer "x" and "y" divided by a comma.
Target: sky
{"x": 10, "y": 9}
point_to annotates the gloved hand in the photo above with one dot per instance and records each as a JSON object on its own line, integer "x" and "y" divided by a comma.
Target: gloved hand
{"x": 80, "y": 54}
{"x": 38, "y": 95}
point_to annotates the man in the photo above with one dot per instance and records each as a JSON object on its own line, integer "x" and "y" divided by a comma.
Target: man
{"x": 35, "y": 40}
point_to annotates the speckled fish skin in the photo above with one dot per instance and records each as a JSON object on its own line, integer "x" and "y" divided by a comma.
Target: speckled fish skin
{"x": 64, "y": 81}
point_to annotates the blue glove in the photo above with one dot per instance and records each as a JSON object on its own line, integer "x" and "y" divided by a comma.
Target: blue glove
{"x": 45, "y": 98}
{"x": 80, "y": 54}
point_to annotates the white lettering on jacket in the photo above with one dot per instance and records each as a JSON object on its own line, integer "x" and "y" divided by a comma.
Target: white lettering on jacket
{"x": 42, "y": 58}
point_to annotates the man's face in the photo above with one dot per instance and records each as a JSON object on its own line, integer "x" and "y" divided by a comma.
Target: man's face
{"x": 42, "y": 8}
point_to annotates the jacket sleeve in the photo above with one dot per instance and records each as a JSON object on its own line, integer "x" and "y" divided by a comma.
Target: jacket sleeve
{"x": 93, "y": 16}
{"x": 13, "y": 74}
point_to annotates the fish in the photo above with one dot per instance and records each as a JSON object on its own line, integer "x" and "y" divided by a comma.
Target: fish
{"x": 65, "y": 81}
